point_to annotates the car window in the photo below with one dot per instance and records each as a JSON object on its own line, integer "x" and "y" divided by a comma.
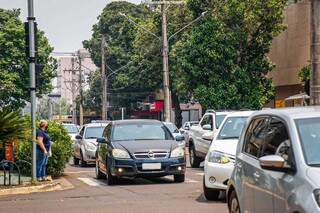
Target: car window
{"x": 277, "y": 141}
{"x": 131, "y": 132}
{"x": 207, "y": 120}
{"x": 71, "y": 128}
{"x": 309, "y": 134}
{"x": 219, "y": 119}
{"x": 81, "y": 131}
{"x": 232, "y": 128}
{"x": 172, "y": 128}
{"x": 255, "y": 136}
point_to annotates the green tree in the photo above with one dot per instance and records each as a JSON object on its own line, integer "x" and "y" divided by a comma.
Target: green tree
{"x": 14, "y": 75}
{"x": 224, "y": 62}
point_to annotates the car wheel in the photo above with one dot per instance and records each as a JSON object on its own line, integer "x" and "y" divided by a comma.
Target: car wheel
{"x": 194, "y": 159}
{"x": 111, "y": 180}
{"x": 234, "y": 206}
{"x": 99, "y": 174}
{"x": 210, "y": 194}
{"x": 179, "y": 178}
{"x": 83, "y": 162}
{"x": 75, "y": 161}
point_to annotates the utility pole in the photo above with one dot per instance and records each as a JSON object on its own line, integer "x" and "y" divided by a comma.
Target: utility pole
{"x": 104, "y": 109}
{"x": 165, "y": 55}
{"x": 32, "y": 66}
{"x": 315, "y": 53}
{"x": 80, "y": 88}
{"x": 73, "y": 89}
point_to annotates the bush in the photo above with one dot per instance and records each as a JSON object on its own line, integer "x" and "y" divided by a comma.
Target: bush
{"x": 61, "y": 150}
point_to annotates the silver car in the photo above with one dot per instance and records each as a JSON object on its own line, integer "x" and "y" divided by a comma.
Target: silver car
{"x": 277, "y": 165}
{"x": 85, "y": 145}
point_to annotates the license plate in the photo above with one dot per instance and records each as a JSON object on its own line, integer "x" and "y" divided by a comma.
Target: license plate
{"x": 151, "y": 166}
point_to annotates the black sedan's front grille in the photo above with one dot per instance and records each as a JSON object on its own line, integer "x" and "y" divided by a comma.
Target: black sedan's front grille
{"x": 151, "y": 155}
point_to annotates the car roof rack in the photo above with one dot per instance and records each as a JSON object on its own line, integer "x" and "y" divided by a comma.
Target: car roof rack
{"x": 99, "y": 121}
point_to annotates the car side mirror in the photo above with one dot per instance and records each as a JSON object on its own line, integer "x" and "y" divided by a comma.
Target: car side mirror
{"x": 179, "y": 138}
{"x": 207, "y": 127}
{"x": 78, "y": 137}
{"x": 102, "y": 140}
{"x": 208, "y": 136}
{"x": 272, "y": 162}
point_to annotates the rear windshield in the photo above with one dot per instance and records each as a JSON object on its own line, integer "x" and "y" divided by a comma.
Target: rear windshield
{"x": 127, "y": 132}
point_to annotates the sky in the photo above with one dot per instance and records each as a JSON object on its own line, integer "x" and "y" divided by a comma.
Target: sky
{"x": 66, "y": 22}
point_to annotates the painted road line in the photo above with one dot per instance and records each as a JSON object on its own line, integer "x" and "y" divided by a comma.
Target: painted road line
{"x": 188, "y": 180}
{"x": 200, "y": 173}
{"x": 78, "y": 172}
{"x": 91, "y": 182}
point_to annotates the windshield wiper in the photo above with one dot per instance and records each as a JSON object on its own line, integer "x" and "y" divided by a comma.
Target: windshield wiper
{"x": 315, "y": 164}
{"x": 230, "y": 137}
{"x": 91, "y": 138}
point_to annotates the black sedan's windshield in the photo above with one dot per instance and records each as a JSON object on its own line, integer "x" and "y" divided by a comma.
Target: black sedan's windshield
{"x": 146, "y": 131}
{"x": 309, "y": 133}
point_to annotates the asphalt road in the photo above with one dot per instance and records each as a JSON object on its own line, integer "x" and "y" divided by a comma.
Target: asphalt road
{"x": 139, "y": 195}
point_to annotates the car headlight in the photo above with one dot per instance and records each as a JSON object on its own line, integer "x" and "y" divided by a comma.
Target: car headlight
{"x": 317, "y": 196}
{"x": 218, "y": 157}
{"x": 91, "y": 146}
{"x": 177, "y": 152}
{"x": 120, "y": 153}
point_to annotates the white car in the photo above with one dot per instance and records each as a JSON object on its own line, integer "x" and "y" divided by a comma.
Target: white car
{"x": 219, "y": 162}
{"x": 72, "y": 130}
{"x": 174, "y": 131}
{"x": 201, "y": 136}
{"x": 85, "y": 145}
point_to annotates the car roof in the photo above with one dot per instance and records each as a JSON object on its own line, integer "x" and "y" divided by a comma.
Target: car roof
{"x": 223, "y": 112}
{"x": 241, "y": 114}
{"x": 95, "y": 124}
{"x": 136, "y": 121}
{"x": 293, "y": 112}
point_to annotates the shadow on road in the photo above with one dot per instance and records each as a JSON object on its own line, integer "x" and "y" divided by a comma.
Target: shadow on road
{"x": 141, "y": 181}
{"x": 202, "y": 199}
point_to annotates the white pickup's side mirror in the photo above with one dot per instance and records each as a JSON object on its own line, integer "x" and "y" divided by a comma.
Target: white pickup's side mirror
{"x": 272, "y": 162}
{"x": 207, "y": 127}
{"x": 208, "y": 136}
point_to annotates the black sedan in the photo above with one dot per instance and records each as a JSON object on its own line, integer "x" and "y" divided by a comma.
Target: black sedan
{"x": 139, "y": 148}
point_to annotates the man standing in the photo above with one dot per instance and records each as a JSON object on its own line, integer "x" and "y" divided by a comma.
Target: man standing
{"x": 43, "y": 147}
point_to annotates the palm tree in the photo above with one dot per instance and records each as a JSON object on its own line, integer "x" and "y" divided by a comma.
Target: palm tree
{"x": 12, "y": 125}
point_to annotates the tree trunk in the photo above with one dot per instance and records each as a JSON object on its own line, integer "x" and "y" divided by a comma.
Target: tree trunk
{"x": 177, "y": 110}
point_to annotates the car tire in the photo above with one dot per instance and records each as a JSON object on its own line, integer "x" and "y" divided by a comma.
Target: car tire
{"x": 194, "y": 159}
{"x": 83, "y": 163}
{"x": 233, "y": 203}
{"x": 111, "y": 180}
{"x": 75, "y": 161}
{"x": 99, "y": 174}
{"x": 179, "y": 178}
{"x": 210, "y": 194}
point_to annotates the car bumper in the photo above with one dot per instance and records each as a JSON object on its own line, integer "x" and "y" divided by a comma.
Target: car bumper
{"x": 133, "y": 168}
{"x": 90, "y": 156}
{"x": 216, "y": 175}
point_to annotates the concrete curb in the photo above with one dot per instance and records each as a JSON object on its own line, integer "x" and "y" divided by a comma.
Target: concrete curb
{"x": 55, "y": 185}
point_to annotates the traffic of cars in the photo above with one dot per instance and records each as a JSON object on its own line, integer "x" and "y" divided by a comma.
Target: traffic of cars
{"x": 265, "y": 161}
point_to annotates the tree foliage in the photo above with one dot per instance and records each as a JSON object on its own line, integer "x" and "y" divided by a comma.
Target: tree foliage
{"x": 224, "y": 61}
{"x": 14, "y": 74}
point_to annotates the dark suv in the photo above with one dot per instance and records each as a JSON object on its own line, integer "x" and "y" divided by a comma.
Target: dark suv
{"x": 139, "y": 148}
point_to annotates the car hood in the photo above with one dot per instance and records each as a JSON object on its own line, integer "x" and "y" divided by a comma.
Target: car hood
{"x": 228, "y": 146}
{"x": 93, "y": 141}
{"x": 146, "y": 145}
{"x": 313, "y": 174}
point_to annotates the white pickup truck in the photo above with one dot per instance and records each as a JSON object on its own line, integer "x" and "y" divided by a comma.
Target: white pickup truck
{"x": 201, "y": 135}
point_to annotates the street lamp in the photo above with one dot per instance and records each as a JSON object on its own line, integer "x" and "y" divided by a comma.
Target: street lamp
{"x": 165, "y": 52}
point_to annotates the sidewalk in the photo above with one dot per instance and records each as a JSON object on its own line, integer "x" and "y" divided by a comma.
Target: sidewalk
{"x": 48, "y": 186}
